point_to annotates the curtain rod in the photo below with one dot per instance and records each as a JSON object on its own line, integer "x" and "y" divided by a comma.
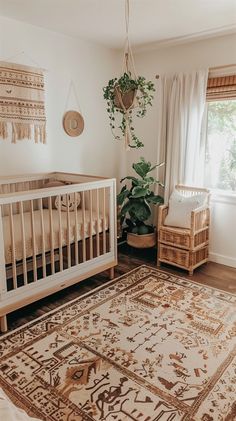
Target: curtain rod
{"x": 213, "y": 68}
{"x": 222, "y": 67}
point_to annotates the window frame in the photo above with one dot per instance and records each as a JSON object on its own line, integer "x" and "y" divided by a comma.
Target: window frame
{"x": 218, "y": 79}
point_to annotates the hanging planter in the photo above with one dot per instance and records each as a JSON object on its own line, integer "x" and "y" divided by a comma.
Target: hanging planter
{"x": 127, "y": 96}
{"x": 124, "y": 100}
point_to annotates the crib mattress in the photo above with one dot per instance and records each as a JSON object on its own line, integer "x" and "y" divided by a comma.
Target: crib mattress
{"x": 47, "y": 232}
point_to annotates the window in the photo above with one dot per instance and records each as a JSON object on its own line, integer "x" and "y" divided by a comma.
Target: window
{"x": 220, "y": 158}
{"x": 220, "y": 147}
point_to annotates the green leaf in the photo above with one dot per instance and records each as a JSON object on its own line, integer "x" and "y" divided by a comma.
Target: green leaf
{"x": 129, "y": 222}
{"x": 124, "y": 193}
{"x": 149, "y": 180}
{"x": 142, "y": 167}
{"x": 139, "y": 192}
{"x": 134, "y": 180}
{"x": 123, "y": 189}
{"x": 139, "y": 210}
{"x": 155, "y": 199}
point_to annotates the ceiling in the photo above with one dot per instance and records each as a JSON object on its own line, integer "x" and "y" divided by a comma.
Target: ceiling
{"x": 151, "y": 21}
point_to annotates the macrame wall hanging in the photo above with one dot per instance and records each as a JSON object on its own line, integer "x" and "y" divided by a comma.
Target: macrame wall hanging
{"x": 22, "y": 106}
{"x": 73, "y": 122}
{"x": 127, "y": 96}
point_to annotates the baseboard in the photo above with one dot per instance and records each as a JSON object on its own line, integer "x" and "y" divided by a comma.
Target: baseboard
{"x": 223, "y": 260}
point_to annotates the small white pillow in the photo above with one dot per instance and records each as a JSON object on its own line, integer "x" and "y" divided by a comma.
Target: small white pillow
{"x": 180, "y": 208}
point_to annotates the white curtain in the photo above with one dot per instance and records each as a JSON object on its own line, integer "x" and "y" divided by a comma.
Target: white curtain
{"x": 182, "y": 100}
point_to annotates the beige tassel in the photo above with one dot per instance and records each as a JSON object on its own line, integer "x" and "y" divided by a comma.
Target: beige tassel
{"x": 20, "y": 131}
{"x": 36, "y": 133}
{"x": 3, "y": 130}
{"x": 40, "y": 133}
{"x": 44, "y": 133}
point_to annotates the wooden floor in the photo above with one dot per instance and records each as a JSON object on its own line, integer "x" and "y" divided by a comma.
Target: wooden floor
{"x": 212, "y": 274}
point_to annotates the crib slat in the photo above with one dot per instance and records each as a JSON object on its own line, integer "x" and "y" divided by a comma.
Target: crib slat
{"x": 3, "y": 281}
{"x": 43, "y": 238}
{"x": 68, "y": 232}
{"x": 51, "y": 235}
{"x": 76, "y": 230}
{"x": 60, "y": 234}
{"x": 13, "y": 247}
{"x": 104, "y": 220}
{"x": 33, "y": 239}
{"x": 23, "y": 243}
{"x": 97, "y": 223}
{"x": 83, "y": 227}
{"x": 90, "y": 224}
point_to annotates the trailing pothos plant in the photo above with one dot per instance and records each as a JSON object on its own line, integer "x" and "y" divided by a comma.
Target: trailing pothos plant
{"x": 127, "y": 96}
{"x": 135, "y": 201}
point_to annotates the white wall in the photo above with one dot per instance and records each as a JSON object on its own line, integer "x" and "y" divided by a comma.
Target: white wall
{"x": 195, "y": 55}
{"x": 90, "y": 66}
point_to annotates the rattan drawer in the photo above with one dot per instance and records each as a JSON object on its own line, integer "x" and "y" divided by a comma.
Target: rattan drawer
{"x": 176, "y": 239}
{"x": 183, "y": 239}
{"x": 182, "y": 258}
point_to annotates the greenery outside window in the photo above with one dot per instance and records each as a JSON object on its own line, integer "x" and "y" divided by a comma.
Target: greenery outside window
{"x": 220, "y": 156}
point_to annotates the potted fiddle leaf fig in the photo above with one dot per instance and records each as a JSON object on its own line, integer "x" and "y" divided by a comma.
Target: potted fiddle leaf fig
{"x": 135, "y": 201}
{"x": 127, "y": 96}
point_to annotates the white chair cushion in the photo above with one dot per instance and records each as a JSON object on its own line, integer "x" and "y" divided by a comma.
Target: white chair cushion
{"x": 180, "y": 208}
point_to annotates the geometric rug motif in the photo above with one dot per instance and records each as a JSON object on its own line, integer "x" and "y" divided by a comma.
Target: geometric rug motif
{"x": 148, "y": 346}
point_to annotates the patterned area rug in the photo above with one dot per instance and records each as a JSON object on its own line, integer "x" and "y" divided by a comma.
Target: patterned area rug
{"x": 148, "y": 346}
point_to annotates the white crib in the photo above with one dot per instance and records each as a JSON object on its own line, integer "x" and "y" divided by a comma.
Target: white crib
{"x": 44, "y": 248}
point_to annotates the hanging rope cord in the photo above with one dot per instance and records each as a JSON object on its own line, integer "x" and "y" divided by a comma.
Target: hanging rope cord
{"x": 72, "y": 90}
{"x": 128, "y": 58}
{"x": 128, "y": 64}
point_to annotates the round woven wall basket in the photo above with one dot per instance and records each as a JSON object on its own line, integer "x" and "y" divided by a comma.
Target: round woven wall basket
{"x": 73, "y": 123}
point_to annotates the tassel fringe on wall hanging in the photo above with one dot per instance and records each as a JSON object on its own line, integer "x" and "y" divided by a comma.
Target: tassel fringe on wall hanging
{"x": 22, "y": 106}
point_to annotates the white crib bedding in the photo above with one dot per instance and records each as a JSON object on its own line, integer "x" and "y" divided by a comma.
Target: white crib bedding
{"x": 47, "y": 232}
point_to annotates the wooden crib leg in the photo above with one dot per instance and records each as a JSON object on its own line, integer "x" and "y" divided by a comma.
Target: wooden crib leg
{"x": 3, "y": 324}
{"x": 112, "y": 273}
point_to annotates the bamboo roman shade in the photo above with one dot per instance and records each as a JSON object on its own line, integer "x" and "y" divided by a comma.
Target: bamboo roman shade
{"x": 221, "y": 87}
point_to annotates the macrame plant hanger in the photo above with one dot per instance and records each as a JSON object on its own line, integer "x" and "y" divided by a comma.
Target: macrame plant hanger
{"x": 129, "y": 68}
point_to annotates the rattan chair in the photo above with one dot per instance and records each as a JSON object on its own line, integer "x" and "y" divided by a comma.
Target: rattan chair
{"x": 186, "y": 248}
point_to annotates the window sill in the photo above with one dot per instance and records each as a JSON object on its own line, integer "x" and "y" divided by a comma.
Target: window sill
{"x": 221, "y": 196}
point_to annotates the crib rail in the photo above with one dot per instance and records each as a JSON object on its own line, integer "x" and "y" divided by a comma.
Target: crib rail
{"x": 53, "y": 240}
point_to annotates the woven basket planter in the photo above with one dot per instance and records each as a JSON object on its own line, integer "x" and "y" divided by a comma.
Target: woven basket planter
{"x": 141, "y": 241}
{"x": 124, "y": 100}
